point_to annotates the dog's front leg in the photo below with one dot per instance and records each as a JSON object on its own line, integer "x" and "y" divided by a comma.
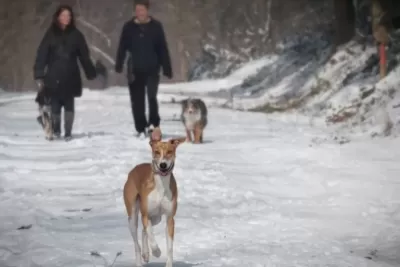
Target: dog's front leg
{"x": 169, "y": 232}
{"x": 150, "y": 236}
{"x": 49, "y": 130}
{"x": 145, "y": 246}
{"x": 197, "y": 133}
{"x": 188, "y": 136}
{"x": 46, "y": 124}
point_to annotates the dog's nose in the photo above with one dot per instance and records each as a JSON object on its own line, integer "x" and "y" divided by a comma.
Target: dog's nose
{"x": 163, "y": 165}
{"x": 190, "y": 111}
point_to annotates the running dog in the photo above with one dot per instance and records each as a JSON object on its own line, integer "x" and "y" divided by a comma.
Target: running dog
{"x": 151, "y": 190}
{"x": 194, "y": 118}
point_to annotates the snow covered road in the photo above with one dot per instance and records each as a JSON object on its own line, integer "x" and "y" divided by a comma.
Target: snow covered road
{"x": 257, "y": 193}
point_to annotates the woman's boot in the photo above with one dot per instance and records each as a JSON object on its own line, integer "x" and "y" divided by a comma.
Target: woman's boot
{"x": 57, "y": 125}
{"x": 68, "y": 123}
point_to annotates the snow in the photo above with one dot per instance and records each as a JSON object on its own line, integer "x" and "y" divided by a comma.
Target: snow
{"x": 341, "y": 88}
{"x": 261, "y": 191}
{"x": 291, "y": 85}
{"x": 206, "y": 86}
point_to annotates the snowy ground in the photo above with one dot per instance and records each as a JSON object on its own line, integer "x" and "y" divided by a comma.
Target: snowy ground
{"x": 259, "y": 192}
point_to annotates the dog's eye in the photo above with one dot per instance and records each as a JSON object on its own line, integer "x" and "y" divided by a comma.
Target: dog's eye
{"x": 157, "y": 153}
{"x": 169, "y": 154}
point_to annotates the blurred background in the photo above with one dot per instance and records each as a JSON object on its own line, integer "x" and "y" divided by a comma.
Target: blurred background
{"x": 207, "y": 38}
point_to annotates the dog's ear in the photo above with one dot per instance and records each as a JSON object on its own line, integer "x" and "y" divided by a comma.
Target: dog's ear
{"x": 156, "y": 134}
{"x": 177, "y": 141}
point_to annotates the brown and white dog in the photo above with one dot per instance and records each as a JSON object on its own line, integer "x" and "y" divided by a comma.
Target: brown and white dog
{"x": 194, "y": 118}
{"x": 151, "y": 189}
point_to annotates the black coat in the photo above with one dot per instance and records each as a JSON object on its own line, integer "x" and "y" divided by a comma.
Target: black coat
{"x": 147, "y": 48}
{"x": 57, "y": 62}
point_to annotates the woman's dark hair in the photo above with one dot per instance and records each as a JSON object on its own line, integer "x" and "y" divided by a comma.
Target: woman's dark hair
{"x": 145, "y": 3}
{"x": 59, "y": 10}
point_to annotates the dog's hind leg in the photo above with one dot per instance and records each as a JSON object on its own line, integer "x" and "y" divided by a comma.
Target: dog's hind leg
{"x": 133, "y": 227}
{"x": 145, "y": 242}
{"x": 131, "y": 199}
{"x": 48, "y": 129}
{"x": 201, "y": 136}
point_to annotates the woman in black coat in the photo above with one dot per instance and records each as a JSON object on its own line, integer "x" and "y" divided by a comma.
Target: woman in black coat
{"x": 56, "y": 69}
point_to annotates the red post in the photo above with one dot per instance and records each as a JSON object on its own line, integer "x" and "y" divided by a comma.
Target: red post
{"x": 382, "y": 60}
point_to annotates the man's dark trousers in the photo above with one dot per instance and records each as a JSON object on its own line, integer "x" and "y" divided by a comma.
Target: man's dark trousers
{"x": 137, "y": 90}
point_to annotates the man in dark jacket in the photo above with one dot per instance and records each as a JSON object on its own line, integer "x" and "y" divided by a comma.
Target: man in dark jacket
{"x": 56, "y": 69}
{"x": 144, "y": 40}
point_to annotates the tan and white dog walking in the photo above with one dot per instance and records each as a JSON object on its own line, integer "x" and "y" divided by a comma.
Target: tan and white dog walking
{"x": 151, "y": 189}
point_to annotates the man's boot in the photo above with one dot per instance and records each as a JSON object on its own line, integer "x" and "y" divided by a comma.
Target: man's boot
{"x": 68, "y": 122}
{"x": 57, "y": 125}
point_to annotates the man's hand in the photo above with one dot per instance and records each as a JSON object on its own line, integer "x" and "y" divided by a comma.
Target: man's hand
{"x": 39, "y": 85}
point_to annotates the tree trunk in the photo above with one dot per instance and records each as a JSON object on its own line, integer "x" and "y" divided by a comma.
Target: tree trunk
{"x": 380, "y": 22}
{"x": 182, "y": 61}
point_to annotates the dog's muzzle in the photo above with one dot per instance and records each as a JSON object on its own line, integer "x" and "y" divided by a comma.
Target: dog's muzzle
{"x": 162, "y": 171}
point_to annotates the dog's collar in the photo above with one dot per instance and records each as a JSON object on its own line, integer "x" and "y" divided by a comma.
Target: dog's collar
{"x": 157, "y": 170}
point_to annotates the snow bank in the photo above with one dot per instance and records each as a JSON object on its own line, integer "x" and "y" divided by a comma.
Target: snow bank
{"x": 341, "y": 88}
{"x": 206, "y": 86}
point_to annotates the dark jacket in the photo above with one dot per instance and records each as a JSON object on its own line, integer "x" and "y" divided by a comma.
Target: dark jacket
{"x": 147, "y": 48}
{"x": 57, "y": 61}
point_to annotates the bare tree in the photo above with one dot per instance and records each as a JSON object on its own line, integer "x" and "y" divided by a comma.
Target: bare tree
{"x": 236, "y": 30}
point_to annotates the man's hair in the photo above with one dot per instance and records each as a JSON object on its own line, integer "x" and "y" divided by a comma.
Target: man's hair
{"x": 145, "y": 3}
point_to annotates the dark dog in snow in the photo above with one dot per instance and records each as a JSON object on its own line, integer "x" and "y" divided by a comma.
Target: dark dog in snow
{"x": 194, "y": 118}
{"x": 45, "y": 117}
